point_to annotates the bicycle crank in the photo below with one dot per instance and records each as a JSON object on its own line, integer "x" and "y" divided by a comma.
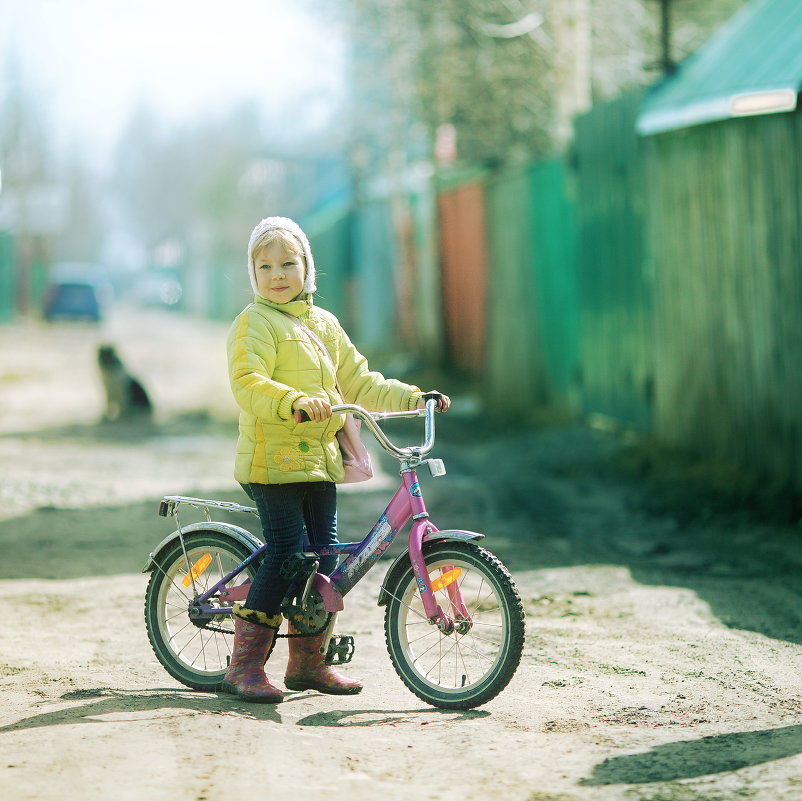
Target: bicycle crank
{"x": 309, "y": 618}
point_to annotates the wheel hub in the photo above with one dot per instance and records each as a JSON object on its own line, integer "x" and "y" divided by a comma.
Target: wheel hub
{"x": 463, "y": 626}
{"x": 197, "y": 617}
{"x": 446, "y": 625}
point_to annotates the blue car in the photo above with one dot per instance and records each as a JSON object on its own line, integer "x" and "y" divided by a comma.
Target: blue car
{"x": 76, "y": 300}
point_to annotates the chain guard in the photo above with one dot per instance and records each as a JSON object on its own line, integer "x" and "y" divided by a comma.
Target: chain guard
{"x": 312, "y": 618}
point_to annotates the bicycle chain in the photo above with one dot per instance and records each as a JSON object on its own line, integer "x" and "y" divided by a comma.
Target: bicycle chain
{"x": 220, "y": 630}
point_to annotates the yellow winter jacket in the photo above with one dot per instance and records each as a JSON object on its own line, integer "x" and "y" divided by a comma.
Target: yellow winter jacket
{"x": 272, "y": 361}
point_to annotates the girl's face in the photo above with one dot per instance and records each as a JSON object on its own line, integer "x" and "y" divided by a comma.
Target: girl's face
{"x": 279, "y": 273}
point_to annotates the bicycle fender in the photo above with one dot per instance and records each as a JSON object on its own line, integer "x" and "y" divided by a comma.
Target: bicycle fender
{"x": 401, "y": 562}
{"x": 241, "y": 535}
{"x": 332, "y": 598}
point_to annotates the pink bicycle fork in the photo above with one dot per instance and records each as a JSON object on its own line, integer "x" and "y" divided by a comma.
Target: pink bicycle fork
{"x": 408, "y": 503}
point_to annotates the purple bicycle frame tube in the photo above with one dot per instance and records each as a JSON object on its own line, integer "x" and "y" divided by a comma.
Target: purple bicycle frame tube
{"x": 379, "y": 538}
{"x": 203, "y": 598}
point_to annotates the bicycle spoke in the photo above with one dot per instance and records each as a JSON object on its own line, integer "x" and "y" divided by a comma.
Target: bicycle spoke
{"x": 479, "y": 608}
{"x": 421, "y": 655}
{"x": 220, "y": 565}
{"x": 473, "y": 650}
{"x": 217, "y": 648}
{"x": 203, "y": 648}
{"x": 457, "y": 659}
{"x": 440, "y": 660}
{"x": 410, "y": 608}
{"x": 425, "y": 635}
{"x": 491, "y": 645}
{"x": 188, "y": 642}
{"x": 180, "y": 631}
{"x": 479, "y": 592}
{"x": 179, "y": 614}
{"x": 172, "y": 581}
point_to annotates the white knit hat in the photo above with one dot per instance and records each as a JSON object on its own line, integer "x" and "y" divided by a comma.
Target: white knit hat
{"x": 291, "y": 227}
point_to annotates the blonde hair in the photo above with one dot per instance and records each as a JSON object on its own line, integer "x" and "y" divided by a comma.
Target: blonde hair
{"x": 287, "y": 239}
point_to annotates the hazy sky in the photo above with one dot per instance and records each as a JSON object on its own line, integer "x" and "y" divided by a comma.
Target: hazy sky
{"x": 92, "y": 60}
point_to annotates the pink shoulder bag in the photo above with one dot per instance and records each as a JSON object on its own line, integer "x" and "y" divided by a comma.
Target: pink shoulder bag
{"x": 355, "y": 456}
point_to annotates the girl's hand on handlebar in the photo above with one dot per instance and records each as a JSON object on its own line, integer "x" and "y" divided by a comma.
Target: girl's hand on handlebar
{"x": 315, "y": 409}
{"x": 443, "y": 401}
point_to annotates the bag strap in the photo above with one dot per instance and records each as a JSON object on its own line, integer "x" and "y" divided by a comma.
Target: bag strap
{"x": 321, "y": 347}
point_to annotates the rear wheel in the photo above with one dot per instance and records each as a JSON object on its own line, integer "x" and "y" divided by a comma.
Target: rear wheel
{"x": 195, "y": 651}
{"x": 471, "y": 664}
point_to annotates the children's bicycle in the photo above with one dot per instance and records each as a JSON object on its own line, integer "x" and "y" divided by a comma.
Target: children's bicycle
{"x": 453, "y": 622}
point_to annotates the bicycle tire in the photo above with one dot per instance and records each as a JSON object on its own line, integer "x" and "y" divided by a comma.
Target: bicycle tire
{"x": 194, "y": 655}
{"x": 457, "y": 670}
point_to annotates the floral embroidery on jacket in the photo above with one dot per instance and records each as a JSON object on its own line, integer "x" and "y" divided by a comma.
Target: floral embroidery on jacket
{"x": 288, "y": 459}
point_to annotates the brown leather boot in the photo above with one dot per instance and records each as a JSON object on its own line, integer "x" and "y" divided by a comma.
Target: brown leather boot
{"x": 307, "y": 670}
{"x": 254, "y": 633}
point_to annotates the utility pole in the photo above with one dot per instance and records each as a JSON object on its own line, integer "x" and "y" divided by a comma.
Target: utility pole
{"x": 571, "y": 26}
{"x": 667, "y": 64}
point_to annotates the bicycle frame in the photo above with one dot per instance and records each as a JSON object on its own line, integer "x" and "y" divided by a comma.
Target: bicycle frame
{"x": 406, "y": 504}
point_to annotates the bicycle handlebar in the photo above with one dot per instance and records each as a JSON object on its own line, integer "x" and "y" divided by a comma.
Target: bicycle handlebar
{"x": 371, "y": 421}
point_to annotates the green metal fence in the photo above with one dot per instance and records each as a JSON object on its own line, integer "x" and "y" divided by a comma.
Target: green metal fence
{"x": 554, "y": 245}
{"x": 7, "y": 278}
{"x": 613, "y": 279}
{"x": 515, "y": 370}
{"x": 726, "y": 236}
{"x": 374, "y": 263}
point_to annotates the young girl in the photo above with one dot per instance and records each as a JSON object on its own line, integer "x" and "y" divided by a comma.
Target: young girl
{"x": 291, "y": 468}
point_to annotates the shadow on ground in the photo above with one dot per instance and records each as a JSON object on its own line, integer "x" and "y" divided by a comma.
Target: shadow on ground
{"x": 688, "y": 759}
{"x": 105, "y": 701}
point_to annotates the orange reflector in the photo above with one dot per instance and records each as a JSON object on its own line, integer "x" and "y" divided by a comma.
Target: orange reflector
{"x": 448, "y": 577}
{"x": 197, "y": 569}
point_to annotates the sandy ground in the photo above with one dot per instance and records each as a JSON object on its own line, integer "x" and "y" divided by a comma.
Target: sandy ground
{"x": 663, "y": 652}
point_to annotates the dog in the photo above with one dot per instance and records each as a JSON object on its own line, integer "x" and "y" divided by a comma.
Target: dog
{"x": 126, "y": 398}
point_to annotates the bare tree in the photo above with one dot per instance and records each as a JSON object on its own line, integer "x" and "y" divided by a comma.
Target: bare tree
{"x": 506, "y": 76}
{"x": 27, "y": 208}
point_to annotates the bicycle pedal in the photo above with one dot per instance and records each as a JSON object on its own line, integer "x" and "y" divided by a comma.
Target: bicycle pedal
{"x": 299, "y": 566}
{"x": 341, "y": 649}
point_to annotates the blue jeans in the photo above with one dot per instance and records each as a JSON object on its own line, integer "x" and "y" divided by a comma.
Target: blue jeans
{"x": 287, "y": 512}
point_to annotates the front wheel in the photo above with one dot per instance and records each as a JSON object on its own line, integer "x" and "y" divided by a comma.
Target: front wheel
{"x": 467, "y": 666}
{"x": 193, "y": 650}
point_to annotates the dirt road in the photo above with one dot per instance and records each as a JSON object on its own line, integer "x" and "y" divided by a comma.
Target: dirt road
{"x": 663, "y": 652}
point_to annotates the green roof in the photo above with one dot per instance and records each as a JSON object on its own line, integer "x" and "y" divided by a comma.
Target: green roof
{"x": 752, "y": 65}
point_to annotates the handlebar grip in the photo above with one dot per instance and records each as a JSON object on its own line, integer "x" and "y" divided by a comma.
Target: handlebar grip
{"x": 300, "y": 416}
{"x": 435, "y": 396}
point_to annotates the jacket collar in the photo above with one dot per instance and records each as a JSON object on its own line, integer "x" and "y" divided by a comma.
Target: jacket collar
{"x": 297, "y": 308}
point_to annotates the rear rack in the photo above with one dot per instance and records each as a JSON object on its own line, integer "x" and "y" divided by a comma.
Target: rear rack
{"x": 168, "y": 505}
